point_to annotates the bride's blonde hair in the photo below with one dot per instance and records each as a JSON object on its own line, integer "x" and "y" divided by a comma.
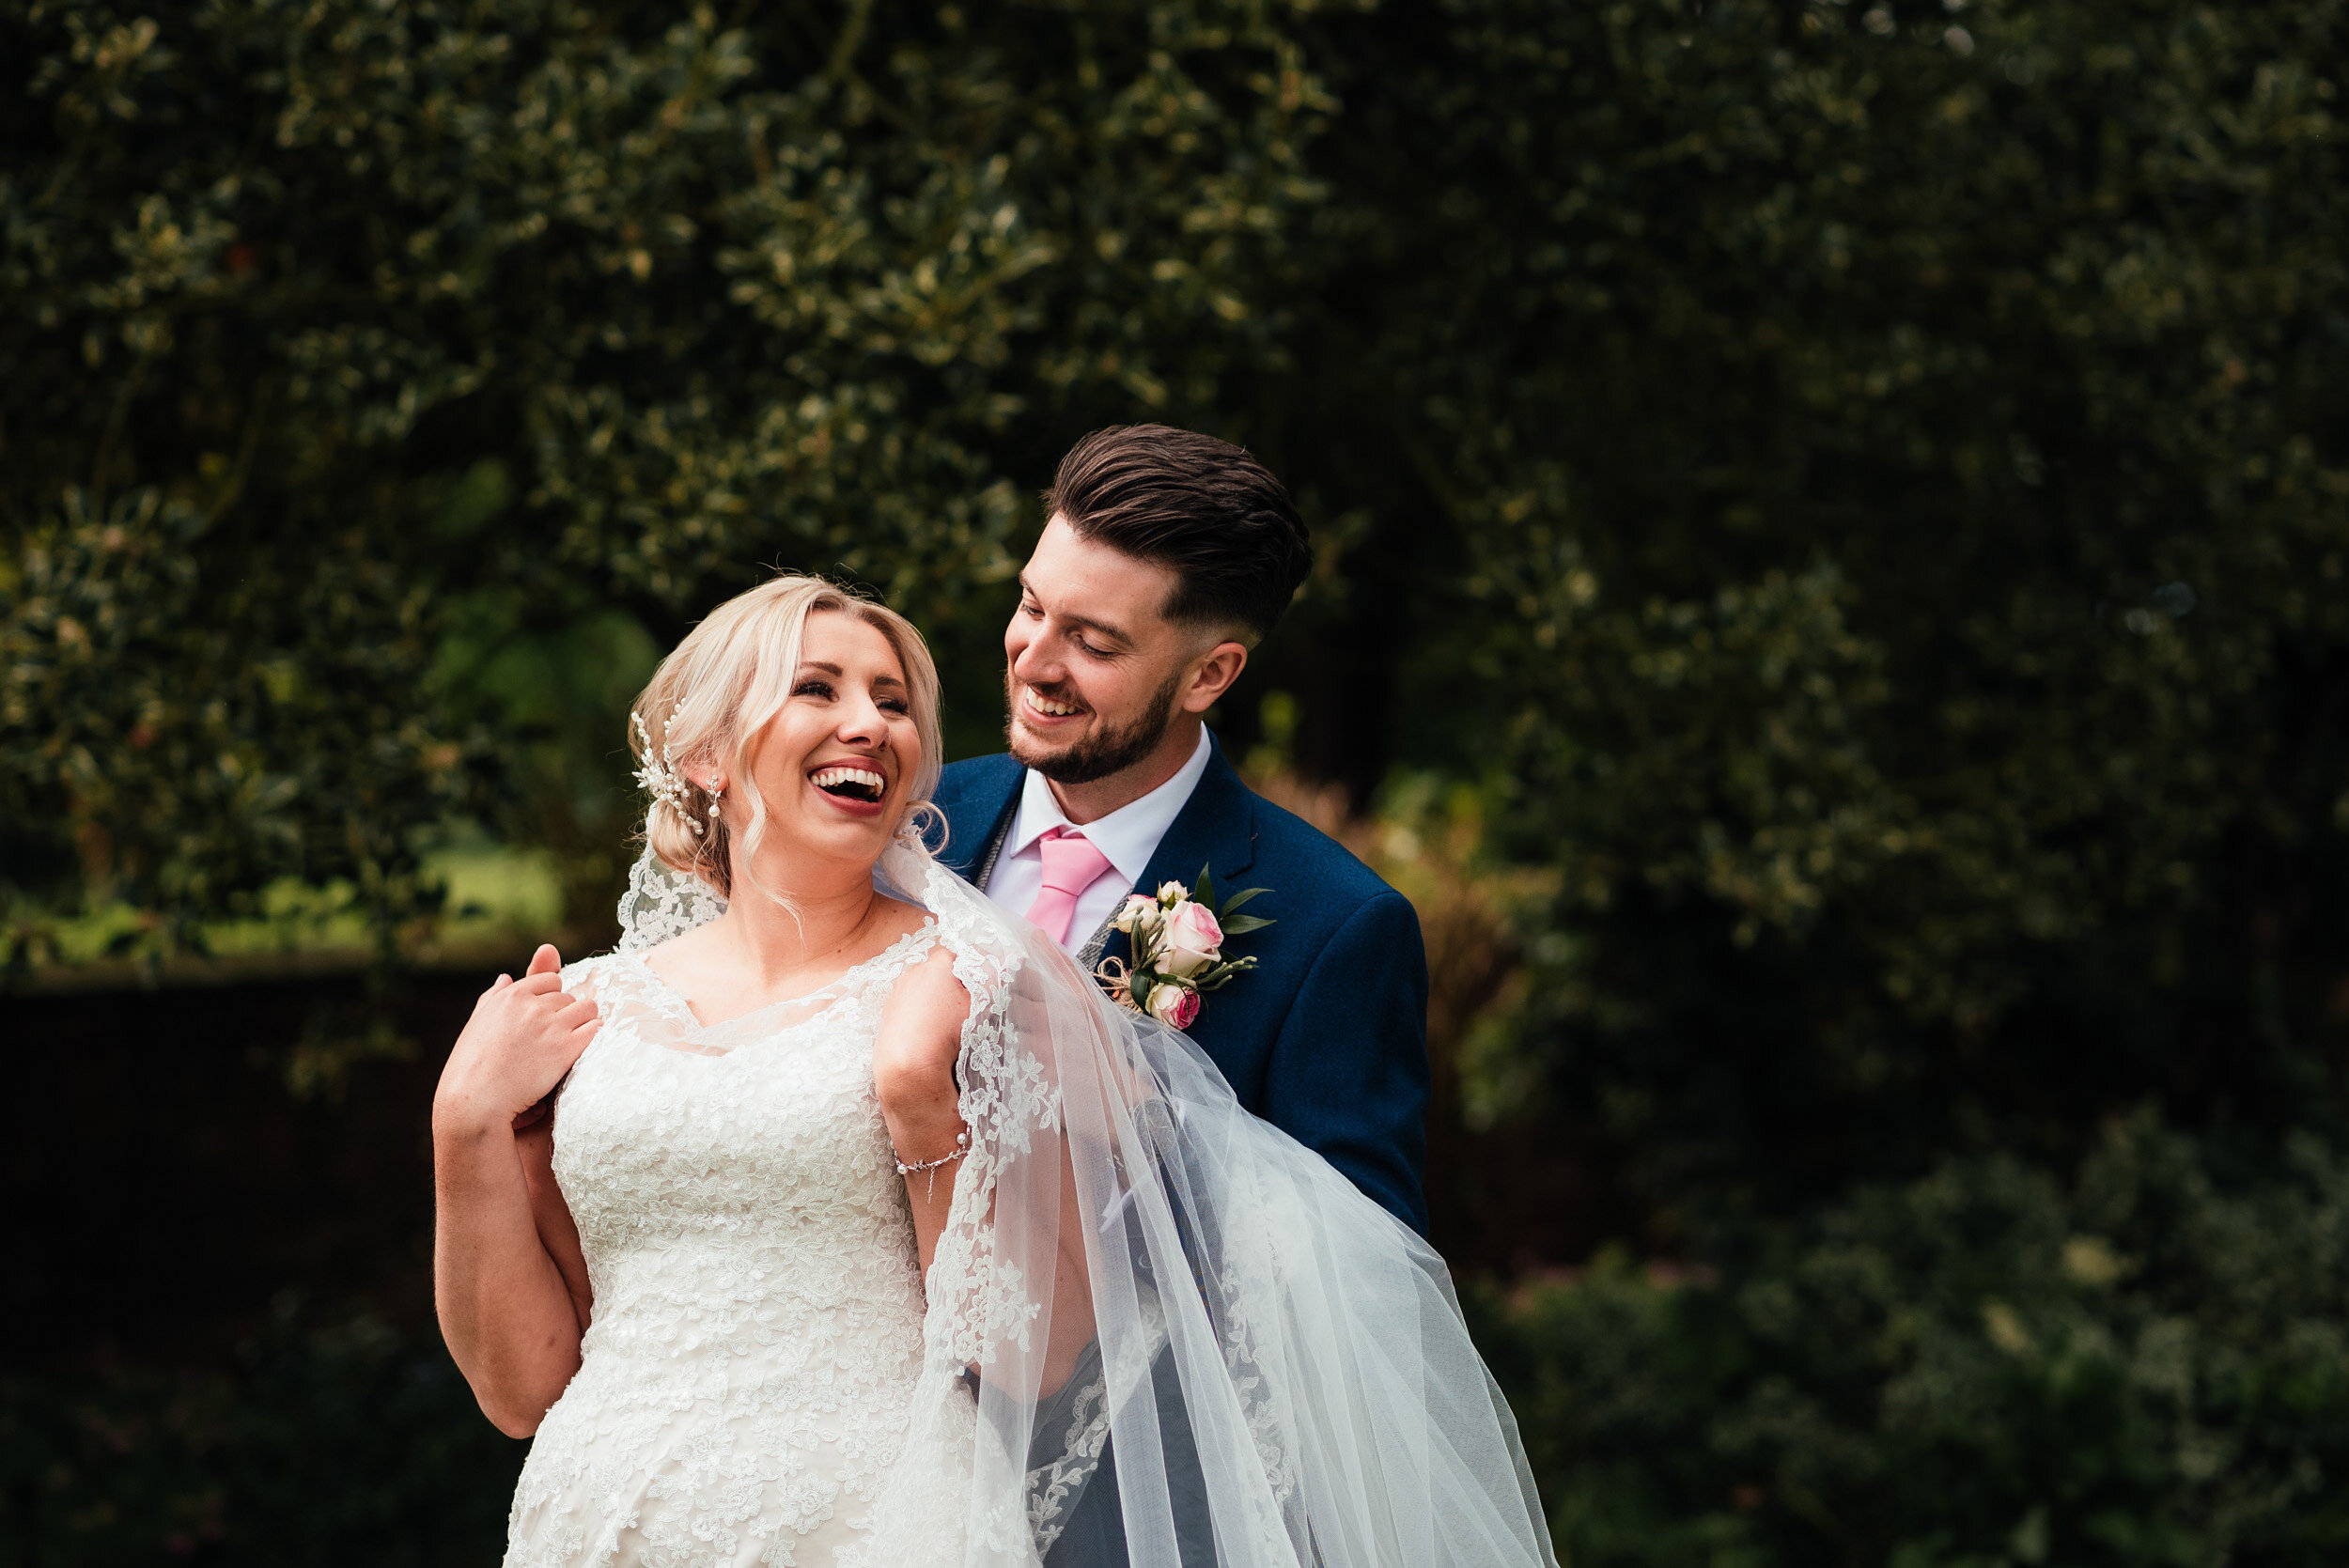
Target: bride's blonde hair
{"x": 712, "y": 695}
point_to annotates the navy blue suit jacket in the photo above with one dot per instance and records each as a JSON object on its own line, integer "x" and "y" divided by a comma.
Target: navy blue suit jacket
{"x": 1327, "y": 1037}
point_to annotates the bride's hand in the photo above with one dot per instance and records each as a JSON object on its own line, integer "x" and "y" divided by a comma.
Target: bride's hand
{"x": 913, "y": 1059}
{"x": 521, "y": 1039}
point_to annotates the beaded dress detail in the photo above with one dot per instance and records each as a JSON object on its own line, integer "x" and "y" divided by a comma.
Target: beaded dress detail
{"x": 745, "y": 1386}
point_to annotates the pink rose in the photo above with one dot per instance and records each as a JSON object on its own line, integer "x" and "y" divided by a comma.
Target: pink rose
{"x": 1194, "y": 939}
{"x": 1173, "y": 1005}
{"x": 1136, "y": 913}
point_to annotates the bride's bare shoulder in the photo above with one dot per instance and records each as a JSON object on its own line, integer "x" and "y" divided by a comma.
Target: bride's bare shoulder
{"x": 893, "y": 917}
{"x": 686, "y": 951}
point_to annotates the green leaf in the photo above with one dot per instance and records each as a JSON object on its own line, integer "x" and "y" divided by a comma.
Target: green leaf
{"x": 1203, "y": 891}
{"x": 1237, "y": 899}
{"x": 1239, "y": 925}
{"x": 1138, "y": 985}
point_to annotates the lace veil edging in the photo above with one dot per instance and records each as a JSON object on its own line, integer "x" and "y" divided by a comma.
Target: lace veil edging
{"x": 661, "y": 903}
{"x": 1134, "y": 1266}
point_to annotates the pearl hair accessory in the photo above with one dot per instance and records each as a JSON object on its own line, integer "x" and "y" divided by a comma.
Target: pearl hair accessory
{"x": 662, "y": 780}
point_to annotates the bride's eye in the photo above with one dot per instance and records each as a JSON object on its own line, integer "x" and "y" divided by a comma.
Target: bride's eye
{"x": 813, "y": 689}
{"x": 895, "y": 704}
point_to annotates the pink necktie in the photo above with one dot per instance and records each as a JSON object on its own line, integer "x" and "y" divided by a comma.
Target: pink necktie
{"x": 1071, "y": 864}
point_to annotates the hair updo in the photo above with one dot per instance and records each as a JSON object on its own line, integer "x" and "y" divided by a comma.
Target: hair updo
{"x": 720, "y": 687}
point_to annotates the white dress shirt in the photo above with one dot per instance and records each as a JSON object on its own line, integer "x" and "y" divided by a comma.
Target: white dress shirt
{"x": 1128, "y": 836}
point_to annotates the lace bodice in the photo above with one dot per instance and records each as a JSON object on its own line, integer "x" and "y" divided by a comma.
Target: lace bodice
{"x": 757, "y": 1326}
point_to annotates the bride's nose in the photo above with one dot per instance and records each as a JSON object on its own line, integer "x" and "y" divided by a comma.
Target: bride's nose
{"x": 860, "y": 722}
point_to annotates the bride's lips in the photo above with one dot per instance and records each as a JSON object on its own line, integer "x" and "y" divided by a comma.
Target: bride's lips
{"x": 852, "y": 805}
{"x": 1036, "y": 718}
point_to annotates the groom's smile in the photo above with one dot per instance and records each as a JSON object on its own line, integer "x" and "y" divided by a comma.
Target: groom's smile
{"x": 1048, "y": 710}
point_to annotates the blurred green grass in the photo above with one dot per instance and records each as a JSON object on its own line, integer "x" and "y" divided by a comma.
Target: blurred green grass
{"x": 493, "y": 899}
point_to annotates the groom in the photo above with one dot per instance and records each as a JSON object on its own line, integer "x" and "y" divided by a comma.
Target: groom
{"x": 1165, "y": 557}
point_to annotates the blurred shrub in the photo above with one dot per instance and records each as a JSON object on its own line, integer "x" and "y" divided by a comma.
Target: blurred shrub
{"x": 1860, "y": 485}
{"x": 1865, "y": 483}
{"x": 387, "y": 384}
{"x": 2147, "y": 1365}
{"x": 350, "y": 1443}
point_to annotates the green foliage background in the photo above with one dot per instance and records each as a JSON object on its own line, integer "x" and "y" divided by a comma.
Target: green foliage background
{"x": 1855, "y": 490}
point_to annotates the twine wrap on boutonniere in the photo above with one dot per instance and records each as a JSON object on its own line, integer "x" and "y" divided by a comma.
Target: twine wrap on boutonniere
{"x": 1179, "y": 939}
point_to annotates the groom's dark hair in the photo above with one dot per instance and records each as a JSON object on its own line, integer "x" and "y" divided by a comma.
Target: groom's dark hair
{"x": 1202, "y": 509}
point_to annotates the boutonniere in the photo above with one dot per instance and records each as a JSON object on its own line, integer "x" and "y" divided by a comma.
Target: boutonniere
{"x": 1178, "y": 942}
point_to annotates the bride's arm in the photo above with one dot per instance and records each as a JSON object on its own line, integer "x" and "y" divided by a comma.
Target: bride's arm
{"x": 505, "y": 1308}
{"x": 558, "y": 1233}
{"x": 913, "y": 1073}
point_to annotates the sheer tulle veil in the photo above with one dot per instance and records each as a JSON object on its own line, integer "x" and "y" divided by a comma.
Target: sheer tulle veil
{"x": 1134, "y": 1265}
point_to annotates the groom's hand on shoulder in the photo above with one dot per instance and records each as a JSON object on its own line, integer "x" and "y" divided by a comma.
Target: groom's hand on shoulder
{"x": 524, "y": 1036}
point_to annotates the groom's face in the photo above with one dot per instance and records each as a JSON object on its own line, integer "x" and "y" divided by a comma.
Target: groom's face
{"x": 1095, "y": 674}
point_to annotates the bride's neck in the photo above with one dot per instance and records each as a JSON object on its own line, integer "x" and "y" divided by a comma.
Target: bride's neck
{"x": 826, "y": 914}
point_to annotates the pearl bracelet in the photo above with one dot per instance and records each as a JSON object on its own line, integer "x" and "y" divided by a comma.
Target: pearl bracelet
{"x": 962, "y": 1147}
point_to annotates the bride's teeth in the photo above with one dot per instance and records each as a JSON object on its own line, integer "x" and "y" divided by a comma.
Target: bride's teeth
{"x": 824, "y": 778}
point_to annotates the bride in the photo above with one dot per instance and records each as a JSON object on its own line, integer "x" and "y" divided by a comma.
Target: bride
{"x": 837, "y": 1218}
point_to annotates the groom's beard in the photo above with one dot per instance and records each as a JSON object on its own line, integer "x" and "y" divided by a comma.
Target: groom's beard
{"x": 1103, "y": 752}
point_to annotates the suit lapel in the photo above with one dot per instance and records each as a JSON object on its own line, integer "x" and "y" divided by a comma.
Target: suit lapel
{"x": 1215, "y": 827}
{"x": 978, "y": 821}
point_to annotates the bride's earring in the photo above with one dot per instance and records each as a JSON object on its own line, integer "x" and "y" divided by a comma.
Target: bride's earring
{"x": 717, "y": 793}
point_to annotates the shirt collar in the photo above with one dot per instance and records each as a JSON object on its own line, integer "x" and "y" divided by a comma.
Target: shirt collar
{"x": 1128, "y": 835}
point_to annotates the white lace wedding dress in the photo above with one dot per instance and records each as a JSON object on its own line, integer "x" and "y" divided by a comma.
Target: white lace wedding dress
{"x": 1268, "y": 1370}
{"x": 748, "y": 1378}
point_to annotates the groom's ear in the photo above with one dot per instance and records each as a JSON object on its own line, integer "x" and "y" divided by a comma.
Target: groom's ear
{"x": 1212, "y": 674}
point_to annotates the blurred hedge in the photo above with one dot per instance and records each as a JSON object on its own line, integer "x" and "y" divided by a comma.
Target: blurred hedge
{"x": 1876, "y": 480}
{"x": 1862, "y": 486}
{"x": 2144, "y": 1365}
{"x": 2147, "y": 1364}
{"x": 325, "y": 1441}
{"x": 1852, "y": 495}
{"x": 366, "y": 361}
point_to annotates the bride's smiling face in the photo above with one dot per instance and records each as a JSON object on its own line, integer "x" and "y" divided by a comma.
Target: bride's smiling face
{"x": 836, "y": 764}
